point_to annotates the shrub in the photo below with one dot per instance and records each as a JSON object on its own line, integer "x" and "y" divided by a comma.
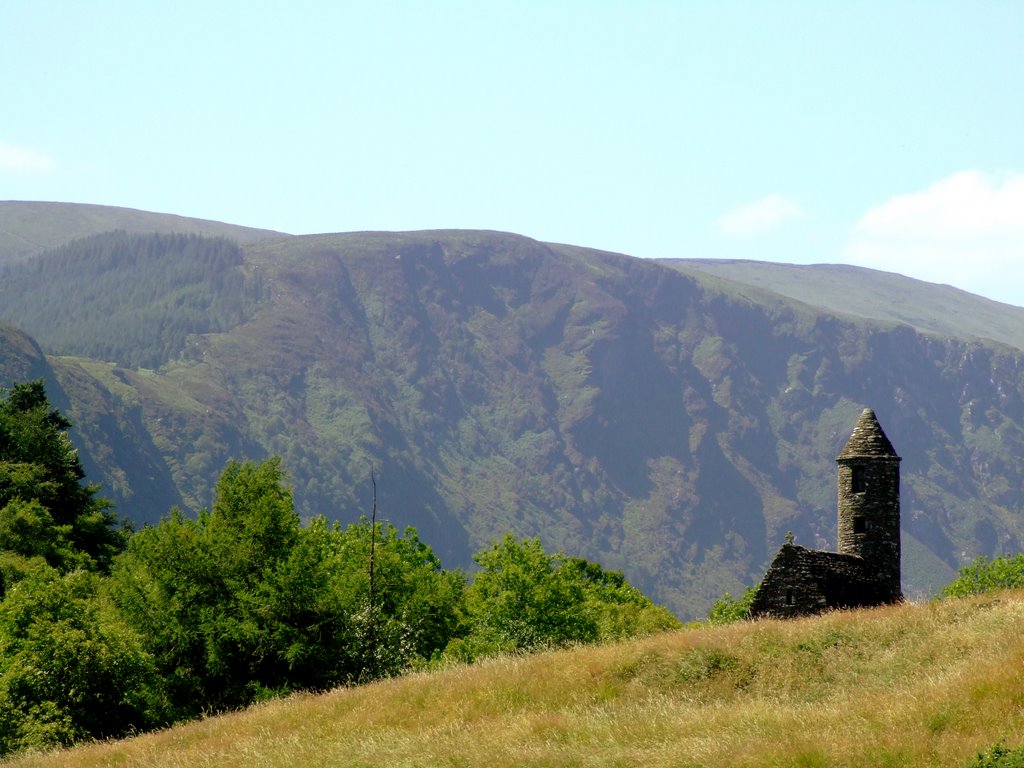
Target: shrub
{"x": 524, "y": 598}
{"x": 69, "y": 667}
{"x": 984, "y": 575}
{"x": 999, "y": 757}
{"x": 728, "y": 609}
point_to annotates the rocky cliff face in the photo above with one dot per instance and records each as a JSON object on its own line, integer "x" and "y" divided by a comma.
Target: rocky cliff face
{"x": 661, "y": 423}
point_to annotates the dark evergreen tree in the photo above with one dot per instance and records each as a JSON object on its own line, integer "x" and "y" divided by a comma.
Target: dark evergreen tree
{"x": 46, "y": 508}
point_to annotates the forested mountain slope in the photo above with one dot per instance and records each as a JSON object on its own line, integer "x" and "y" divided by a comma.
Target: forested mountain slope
{"x": 671, "y": 425}
{"x": 133, "y": 299}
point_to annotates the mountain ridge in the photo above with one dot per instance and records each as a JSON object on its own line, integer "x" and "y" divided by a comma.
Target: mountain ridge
{"x": 27, "y": 228}
{"x": 888, "y": 296}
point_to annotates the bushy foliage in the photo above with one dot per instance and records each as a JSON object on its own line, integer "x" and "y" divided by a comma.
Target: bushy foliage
{"x": 69, "y": 668}
{"x": 415, "y": 606}
{"x": 524, "y": 598}
{"x": 728, "y": 609}
{"x": 984, "y": 575}
{"x": 244, "y": 603}
{"x": 999, "y": 756}
{"x": 617, "y": 608}
{"x": 196, "y": 589}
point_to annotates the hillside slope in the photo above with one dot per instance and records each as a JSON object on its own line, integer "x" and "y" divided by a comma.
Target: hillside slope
{"x": 114, "y": 444}
{"x": 29, "y": 228}
{"x": 884, "y": 296}
{"x": 671, "y": 425}
{"x": 921, "y": 685}
{"x": 127, "y": 297}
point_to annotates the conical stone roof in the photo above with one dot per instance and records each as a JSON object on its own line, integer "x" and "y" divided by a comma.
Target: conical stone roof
{"x": 867, "y": 439}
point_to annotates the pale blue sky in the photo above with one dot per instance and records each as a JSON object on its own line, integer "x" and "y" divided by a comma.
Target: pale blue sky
{"x": 886, "y": 134}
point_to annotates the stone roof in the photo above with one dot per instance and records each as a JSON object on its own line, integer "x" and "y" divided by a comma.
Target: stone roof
{"x": 822, "y": 560}
{"x": 867, "y": 439}
{"x": 821, "y": 580}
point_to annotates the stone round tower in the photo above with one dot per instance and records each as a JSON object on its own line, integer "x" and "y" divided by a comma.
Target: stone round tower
{"x": 869, "y": 504}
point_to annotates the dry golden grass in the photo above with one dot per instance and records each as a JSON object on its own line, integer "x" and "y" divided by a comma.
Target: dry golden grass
{"x": 916, "y": 685}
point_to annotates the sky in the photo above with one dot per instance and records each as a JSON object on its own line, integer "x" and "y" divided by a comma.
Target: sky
{"x": 887, "y": 134}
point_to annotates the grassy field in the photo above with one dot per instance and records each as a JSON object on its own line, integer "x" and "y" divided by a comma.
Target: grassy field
{"x": 915, "y": 685}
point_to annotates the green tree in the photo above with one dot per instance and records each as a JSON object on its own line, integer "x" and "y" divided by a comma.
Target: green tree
{"x": 244, "y": 603}
{"x": 617, "y": 608}
{"x": 524, "y": 598}
{"x": 984, "y": 575}
{"x": 27, "y": 531}
{"x": 416, "y": 605}
{"x": 169, "y": 589}
{"x": 195, "y": 589}
{"x": 45, "y": 508}
{"x": 69, "y": 667}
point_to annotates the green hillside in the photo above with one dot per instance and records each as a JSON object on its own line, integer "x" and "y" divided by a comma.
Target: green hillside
{"x": 671, "y": 425}
{"x": 885, "y": 296}
{"x": 114, "y": 443}
{"x": 920, "y": 685}
{"x": 21, "y": 359}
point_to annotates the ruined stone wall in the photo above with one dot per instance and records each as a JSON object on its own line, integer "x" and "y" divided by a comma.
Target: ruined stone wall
{"x": 802, "y": 582}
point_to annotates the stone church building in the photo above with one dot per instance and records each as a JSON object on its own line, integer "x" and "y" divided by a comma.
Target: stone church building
{"x": 866, "y": 569}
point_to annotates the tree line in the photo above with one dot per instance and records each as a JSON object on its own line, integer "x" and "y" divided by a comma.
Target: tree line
{"x": 105, "y": 631}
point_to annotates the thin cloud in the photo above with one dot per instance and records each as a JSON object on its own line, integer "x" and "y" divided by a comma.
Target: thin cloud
{"x": 966, "y": 230}
{"x": 760, "y": 217}
{"x": 966, "y": 204}
{"x": 14, "y": 158}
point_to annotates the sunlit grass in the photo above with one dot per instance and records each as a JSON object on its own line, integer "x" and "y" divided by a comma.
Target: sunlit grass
{"x": 921, "y": 685}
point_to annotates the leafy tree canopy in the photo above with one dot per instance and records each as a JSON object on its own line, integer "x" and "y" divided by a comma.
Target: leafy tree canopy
{"x": 69, "y": 668}
{"x": 525, "y": 598}
{"x": 244, "y": 603}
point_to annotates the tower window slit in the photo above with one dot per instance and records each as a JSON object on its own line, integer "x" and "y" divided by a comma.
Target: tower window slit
{"x": 858, "y": 482}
